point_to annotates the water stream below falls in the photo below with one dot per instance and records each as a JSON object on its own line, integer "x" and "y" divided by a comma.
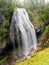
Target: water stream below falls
{"x": 22, "y": 29}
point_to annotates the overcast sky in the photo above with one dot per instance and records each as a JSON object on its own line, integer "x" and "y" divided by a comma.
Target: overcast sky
{"x": 46, "y": 1}
{"x": 23, "y": 1}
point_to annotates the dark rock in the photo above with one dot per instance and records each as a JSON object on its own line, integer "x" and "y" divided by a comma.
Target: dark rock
{"x": 0, "y": 50}
{"x": 40, "y": 29}
{"x": 7, "y": 49}
{"x": 46, "y": 23}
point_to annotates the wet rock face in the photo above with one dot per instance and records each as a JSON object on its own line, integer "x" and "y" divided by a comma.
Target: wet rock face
{"x": 2, "y": 19}
{"x": 40, "y": 29}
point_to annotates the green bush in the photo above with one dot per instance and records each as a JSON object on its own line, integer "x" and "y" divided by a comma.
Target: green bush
{"x": 31, "y": 15}
{"x": 8, "y": 11}
{"x": 2, "y": 34}
{"x": 42, "y": 17}
{"x": 7, "y": 8}
{"x": 44, "y": 13}
{"x": 2, "y": 31}
{"x": 6, "y": 24}
{"x": 47, "y": 28}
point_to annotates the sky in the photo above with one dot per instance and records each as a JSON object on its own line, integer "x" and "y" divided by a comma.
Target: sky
{"x": 46, "y": 1}
{"x": 23, "y": 1}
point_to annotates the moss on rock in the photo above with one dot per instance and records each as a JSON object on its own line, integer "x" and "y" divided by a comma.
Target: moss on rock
{"x": 41, "y": 58}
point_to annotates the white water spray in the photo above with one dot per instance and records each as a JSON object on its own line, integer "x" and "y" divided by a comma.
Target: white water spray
{"x": 20, "y": 22}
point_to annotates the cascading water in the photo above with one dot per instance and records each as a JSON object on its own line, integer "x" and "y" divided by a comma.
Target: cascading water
{"x": 21, "y": 24}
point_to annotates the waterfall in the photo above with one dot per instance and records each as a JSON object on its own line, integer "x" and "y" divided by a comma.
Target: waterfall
{"x": 21, "y": 24}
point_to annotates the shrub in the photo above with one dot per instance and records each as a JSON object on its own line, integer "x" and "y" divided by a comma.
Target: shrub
{"x": 44, "y": 13}
{"x": 7, "y": 8}
{"x": 6, "y": 24}
{"x": 47, "y": 28}
{"x": 2, "y": 34}
{"x": 42, "y": 17}
{"x": 30, "y": 15}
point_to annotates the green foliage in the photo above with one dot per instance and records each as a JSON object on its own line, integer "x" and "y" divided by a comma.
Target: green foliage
{"x": 8, "y": 11}
{"x": 42, "y": 17}
{"x": 44, "y": 13}
{"x": 47, "y": 28}
{"x": 7, "y": 7}
{"x": 2, "y": 34}
{"x": 6, "y": 24}
{"x": 2, "y": 31}
{"x": 30, "y": 13}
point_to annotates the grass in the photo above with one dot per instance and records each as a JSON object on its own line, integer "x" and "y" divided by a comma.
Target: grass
{"x": 41, "y": 58}
{"x": 2, "y": 61}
